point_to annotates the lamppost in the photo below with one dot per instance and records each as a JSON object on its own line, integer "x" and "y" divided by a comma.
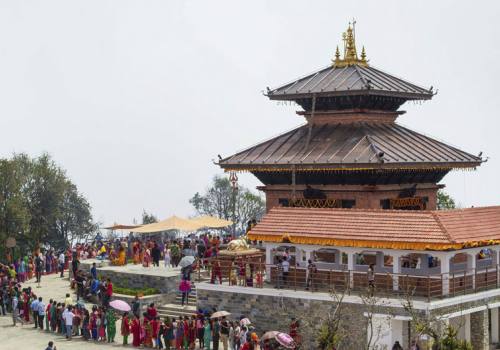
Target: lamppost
{"x": 233, "y": 178}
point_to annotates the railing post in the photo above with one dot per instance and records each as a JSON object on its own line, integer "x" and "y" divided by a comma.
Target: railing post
{"x": 486, "y": 279}
{"x": 442, "y": 294}
{"x": 496, "y": 272}
{"x": 295, "y": 278}
{"x": 389, "y": 278}
{"x": 330, "y": 280}
{"x": 349, "y": 282}
{"x": 474, "y": 281}
{"x": 465, "y": 280}
{"x": 428, "y": 288}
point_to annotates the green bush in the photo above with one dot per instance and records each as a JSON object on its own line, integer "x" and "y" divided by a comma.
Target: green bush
{"x": 135, "y": 291}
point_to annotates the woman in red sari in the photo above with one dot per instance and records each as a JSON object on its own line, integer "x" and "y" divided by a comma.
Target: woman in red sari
{"x": 135, "y": 329}
{"x": 185, "y": 343}
{"x": 192, "y": 333}
{"x": 125, "y": 329}
{"x": 26, "y": 306}
{"x": 148, "y": 334}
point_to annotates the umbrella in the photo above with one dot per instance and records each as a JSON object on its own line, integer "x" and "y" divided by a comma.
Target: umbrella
{"x": 285, "y": 340}
{"x": 269, "y": 335}
{"x": 245, "y": 322}
{"x": 220, "y": 314}
{"x": 186, "y": 261}
{"x": 120, "y": 305}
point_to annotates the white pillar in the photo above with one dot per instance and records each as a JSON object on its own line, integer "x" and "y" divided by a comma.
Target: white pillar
{"x": 309, "y": 252}
{"x": 445, "y": 272}
{"x": 268, "y": 262}
{"x": 396, "y": 270}
{"x": 471, "y": 267}
{"x": 494, "y": 325}
{"x": 350, "y": 267}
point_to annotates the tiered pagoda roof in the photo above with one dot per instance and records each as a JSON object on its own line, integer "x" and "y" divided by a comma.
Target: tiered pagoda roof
{"x": 351, "y": 110}
{"x": 354, "y": 80}
{"x": 350, "y": 146}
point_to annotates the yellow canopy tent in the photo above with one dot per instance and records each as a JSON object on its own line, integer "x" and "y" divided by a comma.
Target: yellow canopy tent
{"x": 121, "y": 227}
{"x": 172, "y": 223}
{"x": 211, "y": 222}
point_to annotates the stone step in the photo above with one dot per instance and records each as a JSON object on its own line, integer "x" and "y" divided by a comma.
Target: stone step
{"x": 176, "y": 310}
{"x": 176, "y": 307}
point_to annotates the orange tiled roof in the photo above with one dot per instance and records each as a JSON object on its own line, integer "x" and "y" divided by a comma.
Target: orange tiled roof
{"x": 397, "y": 229}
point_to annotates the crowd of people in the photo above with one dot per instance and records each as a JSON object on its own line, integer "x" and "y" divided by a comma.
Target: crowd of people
{"x": 98, "y": 321}
{"x": 71, "y": 318}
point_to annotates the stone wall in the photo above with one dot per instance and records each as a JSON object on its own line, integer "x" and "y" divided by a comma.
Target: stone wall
{"x": 274, "y": 312}
{"x": 167, "y": 285}
{"x": 272, "y": 309}
{"x": 480, "y": 337}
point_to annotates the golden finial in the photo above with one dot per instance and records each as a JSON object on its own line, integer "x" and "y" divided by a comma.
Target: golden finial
{"x": 350, "y": 51}
{"x": 337, "y": 56}
{"x": 363, "y": 55}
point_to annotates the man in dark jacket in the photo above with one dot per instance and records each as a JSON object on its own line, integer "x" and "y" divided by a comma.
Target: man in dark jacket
{"x": 156, "y": 254}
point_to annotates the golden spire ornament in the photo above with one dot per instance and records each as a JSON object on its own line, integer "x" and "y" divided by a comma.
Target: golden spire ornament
{"x": 350, "y": 52}
{"x": 337, "y": 55}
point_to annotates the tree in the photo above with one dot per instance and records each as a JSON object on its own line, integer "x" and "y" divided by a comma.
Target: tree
{"x": 445, "y": 201}
{"x": 148, "y": 218}
{"x": 219, "y": 200}
{"x": 444, "y": 336}
{"x": 332, "y": 330}
{"x": 40, "y": 205}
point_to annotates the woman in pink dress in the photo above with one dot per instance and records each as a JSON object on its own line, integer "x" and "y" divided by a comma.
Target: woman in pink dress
{"x": 147, "y": 258}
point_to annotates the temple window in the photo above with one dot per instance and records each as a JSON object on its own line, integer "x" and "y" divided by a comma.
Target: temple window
{"x": 325, "y": 255}
{"x": 411, "y": 261}
{"x": 345, "y": 259}
{"x": 366, "y": 258}
{"x": 317, "y": 203}
{"x": 408, "y": 203}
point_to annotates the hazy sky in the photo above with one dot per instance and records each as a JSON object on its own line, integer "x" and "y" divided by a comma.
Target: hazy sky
{"x": 135, "y": 98}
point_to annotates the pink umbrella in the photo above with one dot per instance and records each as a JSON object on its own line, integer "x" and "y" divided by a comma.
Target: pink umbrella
{"x": 245, "y": 322}
{"x": 285, "y": 340}
{"x": 120, "y": 305}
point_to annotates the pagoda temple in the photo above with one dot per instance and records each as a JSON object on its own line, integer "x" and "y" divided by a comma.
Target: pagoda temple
{"x": 351, "y": 152}
{"x": 352, "y": 191}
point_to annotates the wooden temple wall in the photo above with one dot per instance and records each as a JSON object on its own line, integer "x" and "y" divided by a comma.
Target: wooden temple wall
{"x": 366, "y": 197}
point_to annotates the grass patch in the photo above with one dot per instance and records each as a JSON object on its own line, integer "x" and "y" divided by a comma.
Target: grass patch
{"x": 136, "y": 291}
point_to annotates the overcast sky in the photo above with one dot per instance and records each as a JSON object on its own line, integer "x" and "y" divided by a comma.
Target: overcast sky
{"x": 135, "y": 98}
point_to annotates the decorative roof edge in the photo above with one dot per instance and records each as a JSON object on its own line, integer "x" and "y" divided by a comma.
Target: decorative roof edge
{"x": 287, "y": 238}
